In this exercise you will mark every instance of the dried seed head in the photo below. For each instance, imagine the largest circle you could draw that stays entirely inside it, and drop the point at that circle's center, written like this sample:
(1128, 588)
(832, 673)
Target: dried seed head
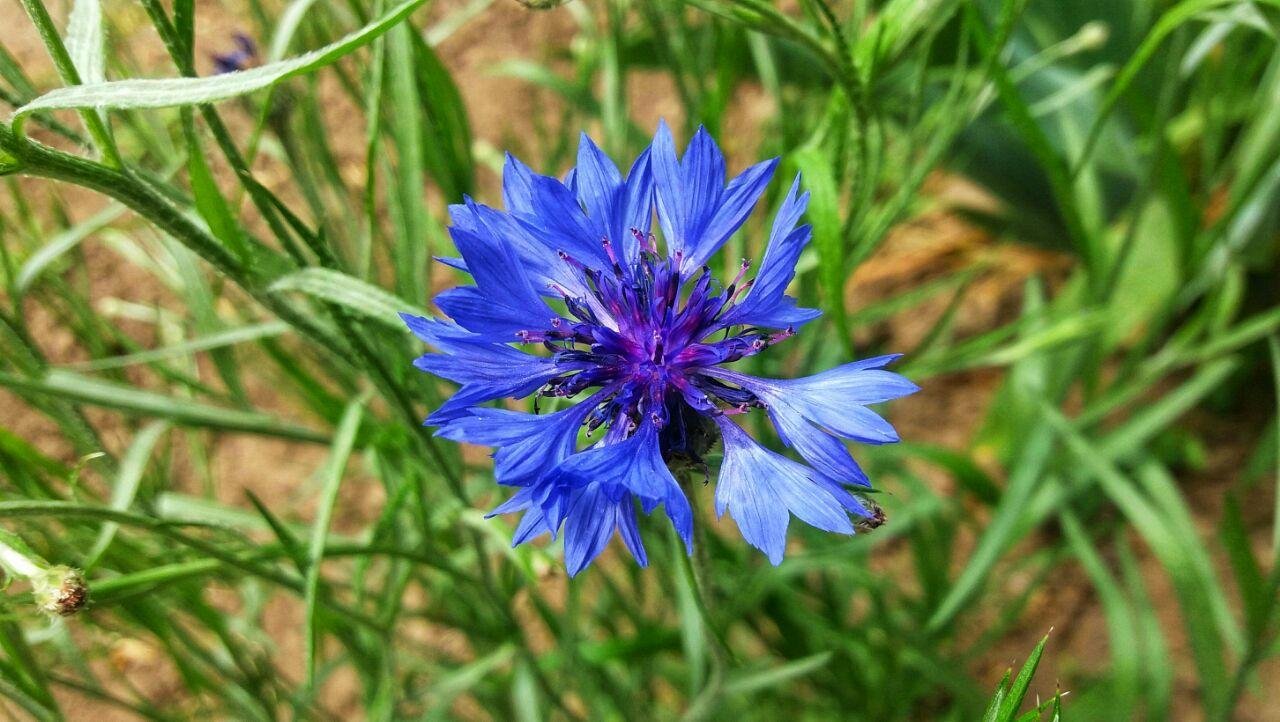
(873, 522)
(61, 590)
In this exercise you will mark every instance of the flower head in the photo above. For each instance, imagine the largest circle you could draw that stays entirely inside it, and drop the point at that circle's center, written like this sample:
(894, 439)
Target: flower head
(631, 339)
(244, 55)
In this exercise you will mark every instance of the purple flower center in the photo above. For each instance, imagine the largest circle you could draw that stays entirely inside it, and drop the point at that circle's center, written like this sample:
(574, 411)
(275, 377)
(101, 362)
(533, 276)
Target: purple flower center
(644, 339)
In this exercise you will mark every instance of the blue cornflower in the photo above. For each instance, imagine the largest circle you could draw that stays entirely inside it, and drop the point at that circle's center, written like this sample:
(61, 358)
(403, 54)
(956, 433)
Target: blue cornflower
(244, 55)
(637, 336)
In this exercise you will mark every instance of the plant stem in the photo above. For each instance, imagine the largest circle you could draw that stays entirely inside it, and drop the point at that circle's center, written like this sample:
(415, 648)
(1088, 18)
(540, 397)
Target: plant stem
(71, 76)
(40, 160)
(696, 569)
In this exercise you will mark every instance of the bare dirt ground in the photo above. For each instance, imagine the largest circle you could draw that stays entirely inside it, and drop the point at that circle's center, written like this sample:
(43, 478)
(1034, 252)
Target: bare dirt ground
(500, 110)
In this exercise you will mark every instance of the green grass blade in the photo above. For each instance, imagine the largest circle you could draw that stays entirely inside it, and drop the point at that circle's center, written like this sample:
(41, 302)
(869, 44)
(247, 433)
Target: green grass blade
(992, 713)
(1206, 613)
(1033, 134)
(33, 707)
(693, 635)
(83, 389)
(781, 675)
(373, 143)
(209, 201)
(184, 27)
(1018, 692)
(68, 72)
(1150, 420)
(1023, 481)
(287, 28)
(824, 214)
(448, 686)
(1246, 567)
(220, 339)
(524, 694)
(1172, 19)
(343, 444)
(62, 243)
(1273, 346)
(15, 449)
(1122, 642)
(1157, 662)
(114, 589)
(406, 125)
(24, 668)
(125, 488)
(1167, 543)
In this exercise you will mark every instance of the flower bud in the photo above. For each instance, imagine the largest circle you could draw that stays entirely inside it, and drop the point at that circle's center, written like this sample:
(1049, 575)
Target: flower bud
(60, 590)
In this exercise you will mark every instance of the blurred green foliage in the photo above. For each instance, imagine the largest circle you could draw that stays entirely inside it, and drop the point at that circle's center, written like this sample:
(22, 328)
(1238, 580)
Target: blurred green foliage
(1140, 137)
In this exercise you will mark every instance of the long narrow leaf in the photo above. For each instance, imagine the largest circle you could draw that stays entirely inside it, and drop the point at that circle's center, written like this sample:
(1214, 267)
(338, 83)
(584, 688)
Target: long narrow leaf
(126, 485)
(343, 443)
(1018, 692)
(83, 389)
(86, 42)
(169, 92)
(360, 298)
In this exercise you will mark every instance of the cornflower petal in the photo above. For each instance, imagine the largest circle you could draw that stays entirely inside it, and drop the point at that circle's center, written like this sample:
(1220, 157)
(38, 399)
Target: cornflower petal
(739, 198)
(635, 215)
(598, 185)
(766, 304)
(761, 489)
(596, 511)
(634, 464)
(835, 400)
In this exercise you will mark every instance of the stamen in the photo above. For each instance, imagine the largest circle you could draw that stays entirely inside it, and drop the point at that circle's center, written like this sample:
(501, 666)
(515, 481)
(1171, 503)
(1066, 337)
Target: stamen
(742, 271)
(741, 290)
(613, 257)
(647, 241)
(575, 263)
(782, 335)
(731, 296)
